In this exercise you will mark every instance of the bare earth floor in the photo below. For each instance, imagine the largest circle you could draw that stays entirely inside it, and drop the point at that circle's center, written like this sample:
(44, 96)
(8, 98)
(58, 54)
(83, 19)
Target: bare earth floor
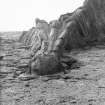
(81, 86)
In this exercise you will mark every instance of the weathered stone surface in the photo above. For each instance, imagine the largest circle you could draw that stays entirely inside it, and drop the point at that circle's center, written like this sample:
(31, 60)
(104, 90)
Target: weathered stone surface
(22, 36)
(87, 24)
(55, 31)
(43, 65)
(81, 28)
(36, 36)
(81, 86)
(84, 27)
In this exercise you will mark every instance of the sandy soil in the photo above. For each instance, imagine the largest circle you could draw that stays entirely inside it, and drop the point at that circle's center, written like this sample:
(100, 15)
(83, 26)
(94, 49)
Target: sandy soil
(81, 86)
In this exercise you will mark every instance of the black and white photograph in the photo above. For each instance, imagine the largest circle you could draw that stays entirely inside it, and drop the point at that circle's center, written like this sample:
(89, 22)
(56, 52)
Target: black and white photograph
(52, 52)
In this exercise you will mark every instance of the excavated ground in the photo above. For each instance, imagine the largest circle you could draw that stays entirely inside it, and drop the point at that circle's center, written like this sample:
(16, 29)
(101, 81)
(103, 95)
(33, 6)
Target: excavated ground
(81, 86)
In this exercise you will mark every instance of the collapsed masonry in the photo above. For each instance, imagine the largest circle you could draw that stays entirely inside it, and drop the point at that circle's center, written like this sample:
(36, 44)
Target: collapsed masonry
(84, 27)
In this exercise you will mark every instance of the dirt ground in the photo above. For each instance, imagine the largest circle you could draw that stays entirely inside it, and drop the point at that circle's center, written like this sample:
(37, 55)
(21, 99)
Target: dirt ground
(81, 86)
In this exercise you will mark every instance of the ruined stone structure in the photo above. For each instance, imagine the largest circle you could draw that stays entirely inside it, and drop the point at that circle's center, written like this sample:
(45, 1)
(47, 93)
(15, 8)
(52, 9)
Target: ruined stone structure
(84, 27)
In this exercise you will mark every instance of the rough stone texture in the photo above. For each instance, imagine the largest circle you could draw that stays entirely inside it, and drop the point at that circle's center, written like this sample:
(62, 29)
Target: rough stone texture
(36, 36)
(80, 86)
(86, 24)
(81, 28)
(84, 27)
(42, 67)
(56, 27)
(21, 38)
